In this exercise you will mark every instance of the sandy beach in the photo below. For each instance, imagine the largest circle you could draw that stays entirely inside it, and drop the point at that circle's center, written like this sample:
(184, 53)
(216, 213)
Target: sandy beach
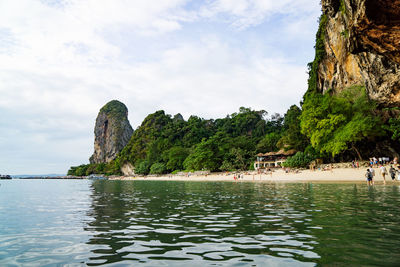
(339, 175)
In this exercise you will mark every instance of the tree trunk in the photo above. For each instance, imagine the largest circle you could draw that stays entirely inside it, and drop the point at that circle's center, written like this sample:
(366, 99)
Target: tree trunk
(356, 150)
(394, 153)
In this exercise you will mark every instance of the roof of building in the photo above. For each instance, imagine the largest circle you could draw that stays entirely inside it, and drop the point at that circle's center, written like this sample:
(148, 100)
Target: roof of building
(281, 152)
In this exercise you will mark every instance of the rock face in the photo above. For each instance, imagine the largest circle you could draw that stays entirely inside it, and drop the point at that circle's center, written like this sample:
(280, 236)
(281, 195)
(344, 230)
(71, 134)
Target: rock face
(362, 45)
(112, 132)
(178, 117)
(127, 169)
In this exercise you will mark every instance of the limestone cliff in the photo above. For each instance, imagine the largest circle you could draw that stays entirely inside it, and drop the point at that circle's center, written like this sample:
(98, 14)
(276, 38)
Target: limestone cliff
(361, 39)
(112, 132)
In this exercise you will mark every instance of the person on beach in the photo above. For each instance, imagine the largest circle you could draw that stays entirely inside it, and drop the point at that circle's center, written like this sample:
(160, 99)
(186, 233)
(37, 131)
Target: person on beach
(392, 172)
(385, 160)
(372, 171)
(398, 173)
(383, 173)
(369, 177)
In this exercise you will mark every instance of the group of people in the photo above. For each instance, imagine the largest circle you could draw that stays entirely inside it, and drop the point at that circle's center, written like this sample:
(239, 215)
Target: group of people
(355, 164)
(392, 172)
(238, 176)
(381, 161)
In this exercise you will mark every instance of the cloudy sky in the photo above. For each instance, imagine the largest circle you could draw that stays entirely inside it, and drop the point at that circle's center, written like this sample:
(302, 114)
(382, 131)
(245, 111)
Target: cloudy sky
(62, 60)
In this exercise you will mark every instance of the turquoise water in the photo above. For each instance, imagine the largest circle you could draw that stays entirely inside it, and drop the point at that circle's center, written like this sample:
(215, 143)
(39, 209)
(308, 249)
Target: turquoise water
(156, 223)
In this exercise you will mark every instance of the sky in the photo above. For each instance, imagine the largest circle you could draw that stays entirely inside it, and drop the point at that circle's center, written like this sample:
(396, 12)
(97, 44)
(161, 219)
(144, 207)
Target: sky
(62, 60)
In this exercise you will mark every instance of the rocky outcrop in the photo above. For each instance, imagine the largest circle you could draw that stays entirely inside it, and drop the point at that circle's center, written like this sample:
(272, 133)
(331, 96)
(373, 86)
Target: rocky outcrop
(178, 117)
(362, 46)
(112, 132)
(128, 169)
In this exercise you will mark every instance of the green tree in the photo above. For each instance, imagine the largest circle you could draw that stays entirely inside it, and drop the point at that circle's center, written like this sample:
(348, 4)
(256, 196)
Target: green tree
(143, 167)
(299, 160)
(275, 124)
(208, 155)
(336, 123)
(269, 142)
(393, 126)
(241, 151)
(145, 139)
(81, 170)
(91, 169)
(158, 168)
(100, 168)
(176, 157)
(292, 137)
(113, 167)
(72, 170)
(240, 157)
(227, 165)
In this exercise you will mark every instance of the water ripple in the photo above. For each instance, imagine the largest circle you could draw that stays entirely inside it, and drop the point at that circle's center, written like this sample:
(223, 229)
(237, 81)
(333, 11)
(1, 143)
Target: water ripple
(173, 223)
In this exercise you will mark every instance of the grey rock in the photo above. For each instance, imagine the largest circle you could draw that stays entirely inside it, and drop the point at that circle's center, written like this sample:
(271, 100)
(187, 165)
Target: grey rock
(112, 132)
(178, 117)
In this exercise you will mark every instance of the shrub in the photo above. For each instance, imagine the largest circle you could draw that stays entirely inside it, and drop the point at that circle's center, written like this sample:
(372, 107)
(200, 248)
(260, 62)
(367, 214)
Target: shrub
(299, 160)
(142, 167)
(158, 168)
(227, 166)
(81, 170)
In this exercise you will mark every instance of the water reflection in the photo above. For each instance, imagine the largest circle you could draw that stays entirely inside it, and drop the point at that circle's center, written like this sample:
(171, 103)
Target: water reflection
(233, 223)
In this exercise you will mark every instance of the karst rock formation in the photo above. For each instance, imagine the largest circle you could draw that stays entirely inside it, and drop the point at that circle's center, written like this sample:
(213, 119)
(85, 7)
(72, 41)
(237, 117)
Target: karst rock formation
(362, 47)
(112, 132)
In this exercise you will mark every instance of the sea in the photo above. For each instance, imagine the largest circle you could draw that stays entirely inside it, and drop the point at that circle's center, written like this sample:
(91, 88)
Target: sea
(173, 223)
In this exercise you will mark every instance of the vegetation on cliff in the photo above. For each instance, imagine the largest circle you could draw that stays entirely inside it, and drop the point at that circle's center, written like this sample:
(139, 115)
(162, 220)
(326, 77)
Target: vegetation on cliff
(336, 123)
(394, 128)
(319, 55)
(342, 121)
(115, 109)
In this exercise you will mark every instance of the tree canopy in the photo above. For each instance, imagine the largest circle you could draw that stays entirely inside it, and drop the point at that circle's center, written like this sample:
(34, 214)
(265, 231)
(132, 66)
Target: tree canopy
(336, 123)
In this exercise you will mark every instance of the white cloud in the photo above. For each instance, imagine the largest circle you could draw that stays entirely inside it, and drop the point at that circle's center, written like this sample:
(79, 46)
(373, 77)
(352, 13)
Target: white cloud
(246, 13)
(211, 79)
(75, 32)
(59, 65)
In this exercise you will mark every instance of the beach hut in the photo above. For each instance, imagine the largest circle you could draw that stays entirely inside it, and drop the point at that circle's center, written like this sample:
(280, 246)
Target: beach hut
(272, 159)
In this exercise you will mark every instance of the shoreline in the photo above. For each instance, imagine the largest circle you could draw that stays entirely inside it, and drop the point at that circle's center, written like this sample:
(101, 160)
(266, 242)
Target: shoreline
(338, 175)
